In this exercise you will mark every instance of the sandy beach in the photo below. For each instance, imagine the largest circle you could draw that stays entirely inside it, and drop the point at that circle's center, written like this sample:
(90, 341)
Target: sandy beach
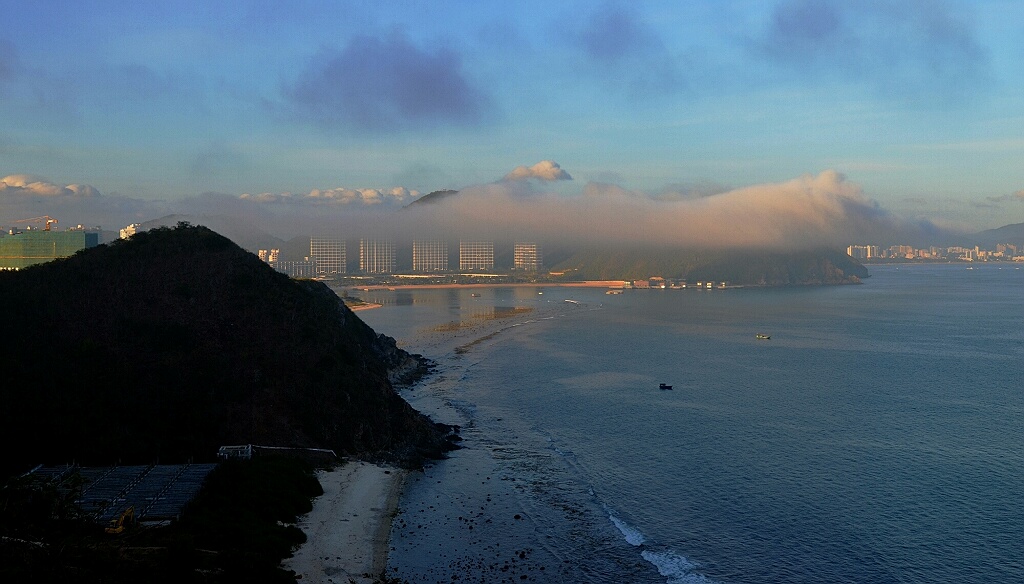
(347, 530)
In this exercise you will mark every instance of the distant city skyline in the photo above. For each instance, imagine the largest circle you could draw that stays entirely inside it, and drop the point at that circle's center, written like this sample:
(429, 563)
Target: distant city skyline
(117, 113)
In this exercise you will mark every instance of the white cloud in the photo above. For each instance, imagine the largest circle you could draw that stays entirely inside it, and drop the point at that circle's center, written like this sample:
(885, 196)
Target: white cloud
(32, 185)
(394, 197)
(543, 170)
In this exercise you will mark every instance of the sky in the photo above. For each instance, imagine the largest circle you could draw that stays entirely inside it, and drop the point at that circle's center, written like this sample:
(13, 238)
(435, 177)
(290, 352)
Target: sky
(842, 119)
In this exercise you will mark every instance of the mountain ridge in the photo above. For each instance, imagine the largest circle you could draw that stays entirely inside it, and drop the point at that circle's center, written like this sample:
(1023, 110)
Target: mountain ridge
(175, 341)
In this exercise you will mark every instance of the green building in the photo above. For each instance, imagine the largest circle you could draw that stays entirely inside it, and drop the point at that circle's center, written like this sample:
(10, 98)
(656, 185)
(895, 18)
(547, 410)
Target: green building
(20, 250)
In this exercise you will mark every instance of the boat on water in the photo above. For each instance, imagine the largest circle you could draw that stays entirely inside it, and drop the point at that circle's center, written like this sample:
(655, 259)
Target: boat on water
(475, 295)
(664, 386)
(762, 337)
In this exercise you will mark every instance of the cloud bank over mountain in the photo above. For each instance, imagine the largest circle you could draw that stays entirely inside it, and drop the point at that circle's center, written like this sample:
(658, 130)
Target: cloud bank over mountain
(807, 211)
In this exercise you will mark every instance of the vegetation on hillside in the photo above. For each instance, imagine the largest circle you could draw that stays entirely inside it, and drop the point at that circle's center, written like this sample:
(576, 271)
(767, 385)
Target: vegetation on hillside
(744, 267)
(166, 345)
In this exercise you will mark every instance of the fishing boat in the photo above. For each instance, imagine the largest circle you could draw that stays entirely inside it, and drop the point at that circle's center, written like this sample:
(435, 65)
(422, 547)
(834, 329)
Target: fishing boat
(762, 337)
(664, 386)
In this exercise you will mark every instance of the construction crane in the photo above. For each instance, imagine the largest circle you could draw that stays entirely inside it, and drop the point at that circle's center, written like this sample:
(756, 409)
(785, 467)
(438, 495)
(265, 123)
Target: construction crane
(44, 219)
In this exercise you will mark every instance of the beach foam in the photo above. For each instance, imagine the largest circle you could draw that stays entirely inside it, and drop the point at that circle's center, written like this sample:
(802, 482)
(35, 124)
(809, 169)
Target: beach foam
(676, 568)
(632, 534)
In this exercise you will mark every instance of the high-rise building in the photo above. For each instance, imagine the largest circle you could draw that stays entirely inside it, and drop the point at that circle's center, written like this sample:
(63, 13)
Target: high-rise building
(329, 255)
(35, 246)
(476, 255)
(429, 256)
(527, 257)
(376, 256)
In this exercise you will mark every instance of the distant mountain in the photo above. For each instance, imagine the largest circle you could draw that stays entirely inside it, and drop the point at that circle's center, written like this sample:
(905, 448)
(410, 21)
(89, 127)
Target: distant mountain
(433, 197)
(741, 267)
(1013, 234)
(171, 343)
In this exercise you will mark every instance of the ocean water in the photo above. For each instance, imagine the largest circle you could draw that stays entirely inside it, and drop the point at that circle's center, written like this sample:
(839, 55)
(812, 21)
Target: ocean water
(876, 437)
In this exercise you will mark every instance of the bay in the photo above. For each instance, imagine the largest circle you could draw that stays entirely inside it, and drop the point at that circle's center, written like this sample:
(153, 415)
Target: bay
(876, 437)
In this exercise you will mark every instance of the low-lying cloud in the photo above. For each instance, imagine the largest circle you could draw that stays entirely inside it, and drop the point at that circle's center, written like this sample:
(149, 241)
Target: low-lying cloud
(807, 211)
(810, 210)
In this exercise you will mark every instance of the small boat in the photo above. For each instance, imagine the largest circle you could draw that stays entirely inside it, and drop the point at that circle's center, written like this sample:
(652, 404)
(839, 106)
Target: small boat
(664, 386)
(475, 295)
(762, 337)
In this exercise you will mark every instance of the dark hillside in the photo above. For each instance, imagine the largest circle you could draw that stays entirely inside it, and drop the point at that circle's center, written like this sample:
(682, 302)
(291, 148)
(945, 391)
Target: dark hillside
(169, 344)
(742, 267)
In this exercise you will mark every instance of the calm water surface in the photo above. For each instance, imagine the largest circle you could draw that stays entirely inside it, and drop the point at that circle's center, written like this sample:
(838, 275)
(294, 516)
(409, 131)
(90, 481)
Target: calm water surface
(876, 437)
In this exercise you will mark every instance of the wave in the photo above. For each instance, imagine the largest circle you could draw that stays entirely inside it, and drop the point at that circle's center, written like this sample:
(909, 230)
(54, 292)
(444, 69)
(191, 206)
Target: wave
(632, 534)
(676, 568)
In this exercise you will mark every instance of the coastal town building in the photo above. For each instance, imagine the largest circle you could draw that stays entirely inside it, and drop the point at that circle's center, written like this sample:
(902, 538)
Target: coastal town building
(526, 257)
(20, 249)
(329, 255)
(1002, 252)
(376, 256)
(476, 256)
(129, 230)
(429, 256)
(304, 268)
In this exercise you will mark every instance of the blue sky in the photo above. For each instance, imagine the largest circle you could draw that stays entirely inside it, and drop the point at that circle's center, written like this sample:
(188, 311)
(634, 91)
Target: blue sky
(917, 103)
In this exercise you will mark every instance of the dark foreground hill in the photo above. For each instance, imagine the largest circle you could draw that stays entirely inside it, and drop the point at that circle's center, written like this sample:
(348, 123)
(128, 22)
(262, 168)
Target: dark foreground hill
(165, 346)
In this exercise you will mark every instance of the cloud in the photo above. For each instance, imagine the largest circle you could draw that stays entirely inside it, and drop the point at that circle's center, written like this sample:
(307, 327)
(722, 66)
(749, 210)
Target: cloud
(810, 210)
(914, 51)
(26, 195)
(626, 52)
(548, 170)
(341, 196)
(30, 185)
(385, 85)
(1017, 197)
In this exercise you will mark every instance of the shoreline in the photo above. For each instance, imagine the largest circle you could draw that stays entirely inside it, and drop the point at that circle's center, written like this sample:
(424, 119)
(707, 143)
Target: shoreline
(583, 284)
(348, 530)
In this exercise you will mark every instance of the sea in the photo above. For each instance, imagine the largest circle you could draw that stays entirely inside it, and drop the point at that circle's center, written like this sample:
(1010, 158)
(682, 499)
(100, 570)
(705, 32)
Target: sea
(877, 436)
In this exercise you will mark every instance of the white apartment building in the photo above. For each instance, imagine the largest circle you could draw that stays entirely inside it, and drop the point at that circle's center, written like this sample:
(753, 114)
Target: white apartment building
(329, 255)
(376, 256)
(527, 257)
(429, 256)
(476, 256)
